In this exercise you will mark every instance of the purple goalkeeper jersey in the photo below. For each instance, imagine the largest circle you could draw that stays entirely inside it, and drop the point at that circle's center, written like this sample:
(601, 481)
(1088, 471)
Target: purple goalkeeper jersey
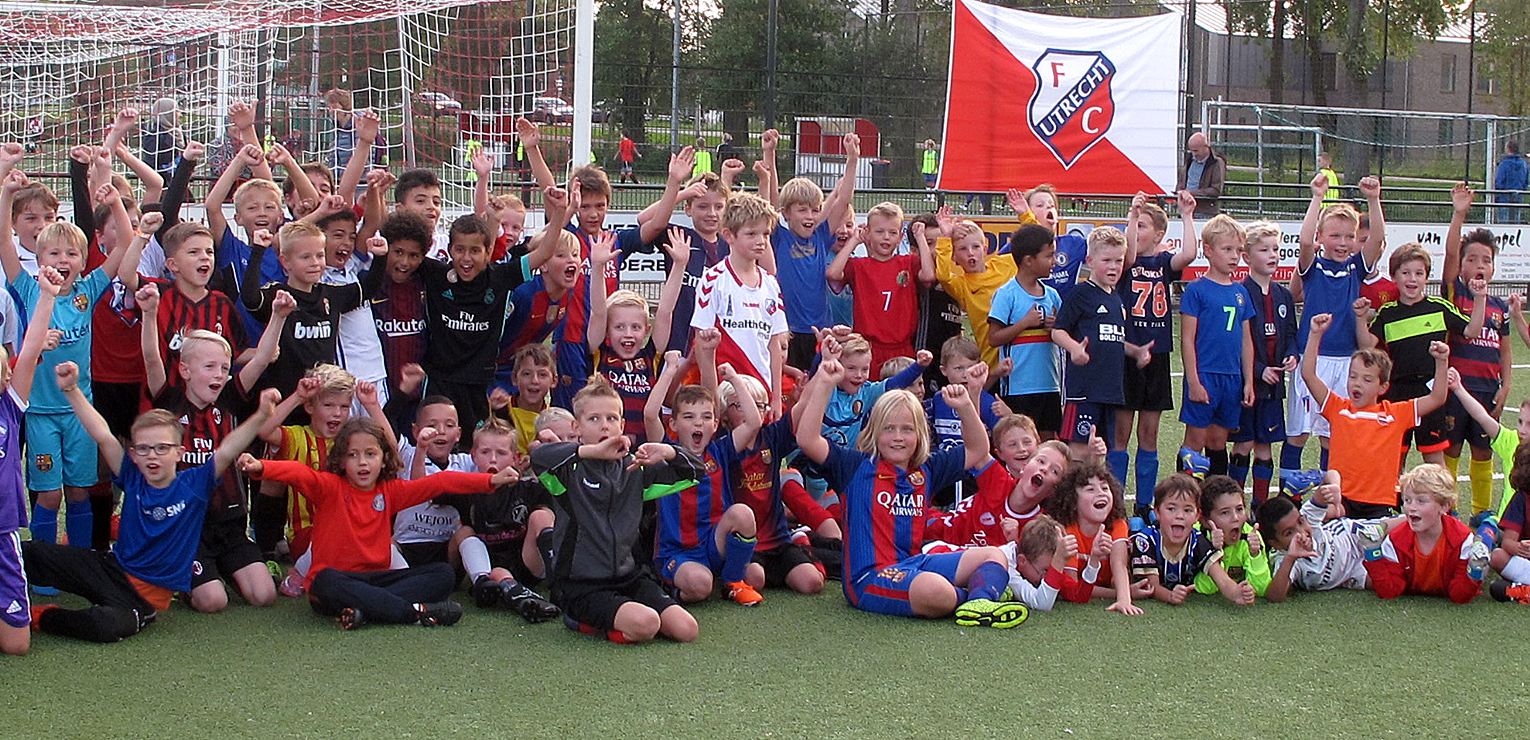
(13, 493)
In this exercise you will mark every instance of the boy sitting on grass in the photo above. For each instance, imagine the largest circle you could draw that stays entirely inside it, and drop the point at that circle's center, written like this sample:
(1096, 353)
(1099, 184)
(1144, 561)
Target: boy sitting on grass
(1432, 553)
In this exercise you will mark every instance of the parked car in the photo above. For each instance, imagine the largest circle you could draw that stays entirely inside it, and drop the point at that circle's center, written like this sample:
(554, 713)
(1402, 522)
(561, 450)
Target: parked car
(439, 104)
(548, 109)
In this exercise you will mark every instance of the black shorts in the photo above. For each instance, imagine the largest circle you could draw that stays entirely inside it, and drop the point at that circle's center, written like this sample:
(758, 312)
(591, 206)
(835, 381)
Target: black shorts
(225, 549)
(1432, 433)
(779, 561)
(118, 403)
(1461, 427)
(510, 559)
(801, 349)
(1044, 408)
(423, 553)
(1148, 388)
(1358, 510)
(595, 603)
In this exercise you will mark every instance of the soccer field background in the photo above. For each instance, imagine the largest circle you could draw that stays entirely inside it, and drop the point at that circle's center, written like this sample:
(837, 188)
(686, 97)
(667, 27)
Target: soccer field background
(1320, 665)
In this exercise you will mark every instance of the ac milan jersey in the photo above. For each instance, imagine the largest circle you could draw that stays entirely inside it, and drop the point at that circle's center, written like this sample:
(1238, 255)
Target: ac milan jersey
(205, 429)
(884, 505)
(398, 309)
(748, 318)
(687, 518)
(886, 297)
(755, 481)
(179, 316)
(633, 380)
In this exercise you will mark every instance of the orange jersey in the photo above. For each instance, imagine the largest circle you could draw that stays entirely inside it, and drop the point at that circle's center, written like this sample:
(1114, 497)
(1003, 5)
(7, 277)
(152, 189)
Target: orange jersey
(1364, 446)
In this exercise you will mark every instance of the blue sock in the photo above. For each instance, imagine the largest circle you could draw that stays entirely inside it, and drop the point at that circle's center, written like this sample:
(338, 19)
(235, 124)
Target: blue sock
(44, 523)
(1147, 475)
(988, 581)
(1118, 460)
(961, 595)
(1323, 458)
(737, 552)
(1290, 459)
(1237, 468)
(77, 523)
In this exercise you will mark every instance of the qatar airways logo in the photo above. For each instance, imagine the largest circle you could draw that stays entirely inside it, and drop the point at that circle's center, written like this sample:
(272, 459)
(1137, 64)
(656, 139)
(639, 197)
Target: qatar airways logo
(901, 503)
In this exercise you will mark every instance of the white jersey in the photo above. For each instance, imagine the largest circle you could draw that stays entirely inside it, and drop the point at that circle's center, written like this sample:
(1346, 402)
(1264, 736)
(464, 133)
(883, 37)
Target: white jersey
(1038, 596)
(1340, 558)
(359, 350)
(748, 317)
(427, 522)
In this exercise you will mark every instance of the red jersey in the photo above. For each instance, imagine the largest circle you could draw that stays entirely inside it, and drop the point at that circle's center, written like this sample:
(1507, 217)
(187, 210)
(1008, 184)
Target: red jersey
(115, 353)
(398, 309)
(886, 303)
(353, 529)
(1378, 290)
(1079, 587)
(978, 521)
(627, 149)
(179, 315)
(1402, 569)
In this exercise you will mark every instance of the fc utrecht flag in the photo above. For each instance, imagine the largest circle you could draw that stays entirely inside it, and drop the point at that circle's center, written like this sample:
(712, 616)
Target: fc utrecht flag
(1089, 105)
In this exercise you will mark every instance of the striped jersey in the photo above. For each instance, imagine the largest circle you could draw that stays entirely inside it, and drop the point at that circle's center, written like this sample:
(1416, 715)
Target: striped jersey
(687, 518)
(755, 481)
(884, 506)
(633, 380)
(1478, 358)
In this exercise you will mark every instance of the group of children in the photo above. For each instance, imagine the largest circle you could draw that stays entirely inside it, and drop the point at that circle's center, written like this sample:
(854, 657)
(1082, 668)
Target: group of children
(329, 395)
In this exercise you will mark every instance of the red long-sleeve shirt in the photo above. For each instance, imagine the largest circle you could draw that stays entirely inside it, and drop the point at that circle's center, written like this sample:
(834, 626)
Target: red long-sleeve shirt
(352, 528)
(1398, 571)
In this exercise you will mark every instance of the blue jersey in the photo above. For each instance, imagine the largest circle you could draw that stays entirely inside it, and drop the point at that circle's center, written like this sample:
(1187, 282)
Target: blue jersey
(570, 349)
(947, 424)
(1094, 314)
(1332, 287)
(1032, 352)
(800, 266)
(1222, 313)
(755, 480)
(686, 519)
(846, 413)
(72, 317)
(1145, 291)
(885, 505)
(1071, 250)
(704, 254)
(162, 527)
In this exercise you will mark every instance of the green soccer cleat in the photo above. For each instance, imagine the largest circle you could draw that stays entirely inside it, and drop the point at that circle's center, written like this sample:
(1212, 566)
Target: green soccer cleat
(990, 613)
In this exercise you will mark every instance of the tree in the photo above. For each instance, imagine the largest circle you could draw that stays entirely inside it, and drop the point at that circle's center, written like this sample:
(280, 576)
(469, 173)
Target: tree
(633, 46)
(1504, 29)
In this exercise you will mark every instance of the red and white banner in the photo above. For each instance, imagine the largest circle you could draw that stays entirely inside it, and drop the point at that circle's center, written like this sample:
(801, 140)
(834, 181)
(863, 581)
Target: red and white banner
(1090, 105)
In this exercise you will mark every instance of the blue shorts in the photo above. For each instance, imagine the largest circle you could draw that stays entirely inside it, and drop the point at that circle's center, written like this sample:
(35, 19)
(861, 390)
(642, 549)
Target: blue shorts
(14, 607)
(886, 591)
(1083, 418)
(59, 452)
(1263, 423)
(706, 553)
(1225, 408)
(929, 179)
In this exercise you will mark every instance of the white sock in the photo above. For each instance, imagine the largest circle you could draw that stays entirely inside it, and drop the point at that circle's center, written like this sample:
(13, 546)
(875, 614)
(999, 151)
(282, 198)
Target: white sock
(304, 562)
(475, 557)
(1516, 570)
(396, 559)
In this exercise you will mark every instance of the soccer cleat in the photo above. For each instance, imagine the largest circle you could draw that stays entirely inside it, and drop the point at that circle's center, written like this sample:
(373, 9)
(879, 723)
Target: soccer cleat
(293, 585)
(525, 602)
(1502, 590)
(1194, 463)
(1008, 595)
(350, 618)
(990, 613)
(1297, 485)
(485, 592)
(44, 590)
(743, 593)
(439, 613)
(37, 612)
(277, 574)
(1486, 526)
(615, 636)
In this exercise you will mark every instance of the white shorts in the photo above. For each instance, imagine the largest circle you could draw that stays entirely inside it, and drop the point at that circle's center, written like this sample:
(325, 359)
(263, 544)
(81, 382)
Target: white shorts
(1302, 410)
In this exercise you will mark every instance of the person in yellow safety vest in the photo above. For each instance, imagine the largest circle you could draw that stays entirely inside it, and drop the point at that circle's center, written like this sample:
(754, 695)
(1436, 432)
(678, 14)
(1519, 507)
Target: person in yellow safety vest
(470, 148)
(703, 158)
(929, 165)
(1325, 166)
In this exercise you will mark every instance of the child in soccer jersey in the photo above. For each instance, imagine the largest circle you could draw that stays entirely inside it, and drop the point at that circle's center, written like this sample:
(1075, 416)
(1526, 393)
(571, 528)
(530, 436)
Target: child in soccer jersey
(1091, 328)
(1365, 424)
(62, 462)
(398, 303)
(1406, 327)
(960, 363)
(418, 192)
(537, 308)
(1309, 550)
(359, 349)
(1038, 562)
(1020, 325)
(1167, 557)
(884, 483)
(1431, 553)
(884, 284)
(497, 542)
(1001, 495)
(970, 275)
(853, 396)
(1224, 519)
(425, 532)
(311, 335)
(1485, 360)
(1062, 276)
(15, 389)
(32, 206)
(598, 492)
(1273, 328)
(701, 534)
(941, 316)
(802, 242)
(625, 343)
(705, 197)
(535, 373)
(756, 481)
(1089, 503)
(1151, 267)
(356, 498)
(257, 206)
(741, 299)
(1216, 343)
(209, 403)
(1506, 439)
(161, 524)
(1331, 266)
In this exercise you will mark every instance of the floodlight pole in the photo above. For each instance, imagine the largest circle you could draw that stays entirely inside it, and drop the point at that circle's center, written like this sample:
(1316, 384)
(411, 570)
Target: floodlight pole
(770, 64)
(674, 86)
(584, 79)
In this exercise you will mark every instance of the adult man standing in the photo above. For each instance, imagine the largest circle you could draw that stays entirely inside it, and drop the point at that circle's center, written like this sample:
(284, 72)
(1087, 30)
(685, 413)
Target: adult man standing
(1203, 174)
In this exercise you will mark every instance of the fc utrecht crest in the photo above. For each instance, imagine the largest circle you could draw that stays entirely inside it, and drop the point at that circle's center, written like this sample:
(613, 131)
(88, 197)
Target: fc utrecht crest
(1071, 109)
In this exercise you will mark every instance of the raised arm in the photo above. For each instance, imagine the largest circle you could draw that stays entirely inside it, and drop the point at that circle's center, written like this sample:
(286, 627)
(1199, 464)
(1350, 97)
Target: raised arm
(68, 377)
(653, 408)
(840, 200)
(366, 123)
(601, 253)
(243, 435)
(1460, 204)
(242, 117)
(307, 193)
(147, 298)
(815, 402)
(271, 430)
(974, 433)
(1308, 238)
(744, 433)
(765, 168)
(1370, 187)
(218, 193)
(268, 347)
(249, 288)
(153, 182)
(38, 335)
(127, 269)
(926, 254)
(838, 268)
(483, 169)
(680, 166)
(1190, 240)
(531, 140)
(556, 204)
(678, 246)
(180, 180)
(1315, 386)
(14, 180)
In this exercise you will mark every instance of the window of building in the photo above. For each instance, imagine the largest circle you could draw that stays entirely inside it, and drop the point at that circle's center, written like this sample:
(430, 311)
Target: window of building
(1448, 73)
